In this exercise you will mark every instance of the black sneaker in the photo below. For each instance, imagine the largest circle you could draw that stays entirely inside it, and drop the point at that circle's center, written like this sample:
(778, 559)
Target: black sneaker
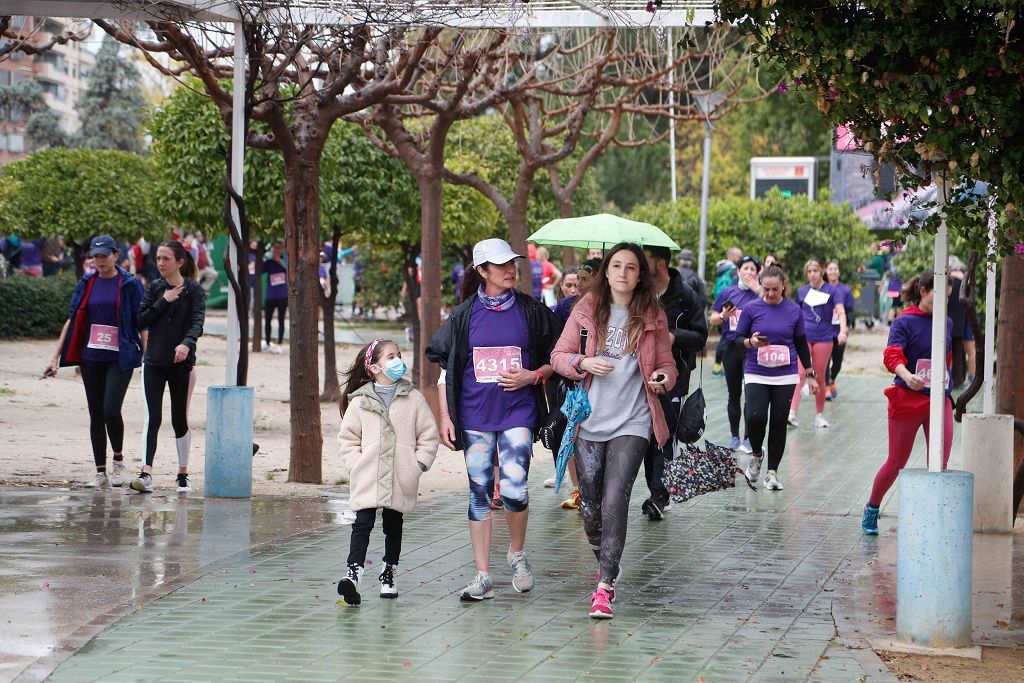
(183, 485)
(348, 587)
(655, 511)
(388, 589)
(142, 483)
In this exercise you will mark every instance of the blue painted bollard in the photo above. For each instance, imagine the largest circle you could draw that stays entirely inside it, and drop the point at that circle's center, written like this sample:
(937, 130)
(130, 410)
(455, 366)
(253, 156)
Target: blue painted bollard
(933, 563)
(229, 416)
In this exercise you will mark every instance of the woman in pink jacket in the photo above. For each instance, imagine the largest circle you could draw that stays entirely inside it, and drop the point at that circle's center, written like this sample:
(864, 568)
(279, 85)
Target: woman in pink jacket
(627, 365)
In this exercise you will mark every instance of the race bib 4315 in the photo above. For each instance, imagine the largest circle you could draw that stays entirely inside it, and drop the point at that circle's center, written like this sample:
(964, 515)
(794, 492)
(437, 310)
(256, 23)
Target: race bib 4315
(490, 361)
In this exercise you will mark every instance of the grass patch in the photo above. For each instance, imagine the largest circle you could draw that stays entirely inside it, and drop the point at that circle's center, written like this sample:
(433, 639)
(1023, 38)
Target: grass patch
(270, 476)
(340, 480)
(204, 363)
(5, 391)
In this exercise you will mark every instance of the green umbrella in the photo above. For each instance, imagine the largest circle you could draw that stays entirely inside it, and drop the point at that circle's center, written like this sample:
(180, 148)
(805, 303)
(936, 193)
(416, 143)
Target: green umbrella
(600, 231)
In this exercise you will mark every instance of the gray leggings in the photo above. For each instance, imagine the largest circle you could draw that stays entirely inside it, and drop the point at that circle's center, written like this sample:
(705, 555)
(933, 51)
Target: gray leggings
(607, 470)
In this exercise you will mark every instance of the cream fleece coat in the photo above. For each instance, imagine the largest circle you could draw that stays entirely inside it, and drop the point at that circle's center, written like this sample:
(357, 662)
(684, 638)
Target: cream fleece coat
(383, 447)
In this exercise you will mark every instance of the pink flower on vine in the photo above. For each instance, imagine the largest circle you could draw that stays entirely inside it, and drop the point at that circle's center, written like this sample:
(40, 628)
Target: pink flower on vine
(650, 6)
(1019, 248)
(798, 81)
(783, 87)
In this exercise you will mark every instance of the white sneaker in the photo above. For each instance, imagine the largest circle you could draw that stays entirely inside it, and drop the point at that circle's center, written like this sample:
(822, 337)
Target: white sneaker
(745, 446)
(266, 346)
(793, 422)
(99, 482)
(550, 483)
(772, 482)
(117, 477)
(388, 589)
(348, 586)
(820, 421)
(754, 468)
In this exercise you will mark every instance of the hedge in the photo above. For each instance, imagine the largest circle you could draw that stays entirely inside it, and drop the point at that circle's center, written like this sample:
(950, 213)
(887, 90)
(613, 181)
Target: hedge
(793, 229)
(34, 307)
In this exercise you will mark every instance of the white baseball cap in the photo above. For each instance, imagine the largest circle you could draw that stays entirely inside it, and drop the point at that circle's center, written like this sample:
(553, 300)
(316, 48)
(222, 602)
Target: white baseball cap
(494, 251)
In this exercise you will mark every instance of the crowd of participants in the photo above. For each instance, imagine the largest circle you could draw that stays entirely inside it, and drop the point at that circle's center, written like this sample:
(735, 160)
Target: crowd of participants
(625, 324)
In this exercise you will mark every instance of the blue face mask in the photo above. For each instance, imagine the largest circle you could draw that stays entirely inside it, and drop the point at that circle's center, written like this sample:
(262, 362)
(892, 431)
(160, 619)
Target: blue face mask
(395, 369)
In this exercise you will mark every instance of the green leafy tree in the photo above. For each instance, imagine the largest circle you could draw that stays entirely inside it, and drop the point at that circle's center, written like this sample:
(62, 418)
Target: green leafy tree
(933, 87)
(112, 108)
(79, 193)
(24, 100)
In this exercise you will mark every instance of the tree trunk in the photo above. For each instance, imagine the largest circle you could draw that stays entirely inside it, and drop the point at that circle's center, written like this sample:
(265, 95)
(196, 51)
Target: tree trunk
(430, 287)
(257, 298)
(302, 240)
(515, 217)
(332, 391)
(1010, 365)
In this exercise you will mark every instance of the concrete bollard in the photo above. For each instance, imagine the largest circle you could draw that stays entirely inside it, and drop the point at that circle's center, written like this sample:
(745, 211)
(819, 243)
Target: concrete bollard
(987, 448)
(229, 417)
(933, 558)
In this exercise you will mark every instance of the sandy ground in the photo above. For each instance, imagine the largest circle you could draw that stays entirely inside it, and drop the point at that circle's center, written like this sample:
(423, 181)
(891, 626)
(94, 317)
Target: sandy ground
(997, 664)
(45, 422)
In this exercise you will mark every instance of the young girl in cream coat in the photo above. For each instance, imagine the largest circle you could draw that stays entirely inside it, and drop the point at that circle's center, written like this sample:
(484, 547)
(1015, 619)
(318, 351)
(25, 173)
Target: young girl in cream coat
(388, 438)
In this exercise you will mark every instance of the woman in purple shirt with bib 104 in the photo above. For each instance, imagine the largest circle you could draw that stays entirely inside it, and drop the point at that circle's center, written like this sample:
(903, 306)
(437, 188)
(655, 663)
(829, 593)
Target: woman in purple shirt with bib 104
(727, 311)
(819, 304)
(771, 331)
(845, 297)
(494, 350)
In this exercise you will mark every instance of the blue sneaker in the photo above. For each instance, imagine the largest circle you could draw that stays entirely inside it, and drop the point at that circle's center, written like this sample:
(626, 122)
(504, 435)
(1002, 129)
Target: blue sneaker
(734, 445)
(746, 447)
(869, 520)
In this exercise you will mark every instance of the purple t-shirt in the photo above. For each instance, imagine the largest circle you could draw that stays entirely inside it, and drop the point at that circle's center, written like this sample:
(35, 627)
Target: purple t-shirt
(485, 406)
(740, 298)
(779, 322)
(913, 334)
(30, 256)
(277, 280)
(818, 319)
(845, 297)
(102, 310)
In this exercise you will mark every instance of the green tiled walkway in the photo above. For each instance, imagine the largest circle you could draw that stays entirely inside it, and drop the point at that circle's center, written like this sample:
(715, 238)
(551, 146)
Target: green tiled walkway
(732, 586)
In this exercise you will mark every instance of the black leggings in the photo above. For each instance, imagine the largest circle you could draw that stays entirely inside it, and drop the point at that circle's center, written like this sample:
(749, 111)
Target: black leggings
(105, 386)
(154, 378)
(767, 411)
(835, 362)
(281, 305)
(362, 527)
(606, 471)
(733, 358)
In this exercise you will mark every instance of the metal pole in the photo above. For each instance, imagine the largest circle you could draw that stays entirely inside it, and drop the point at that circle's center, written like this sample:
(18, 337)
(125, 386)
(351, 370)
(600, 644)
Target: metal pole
(988, 395)
(705, 182)
(938, 390)
(671, 113)
(237, 161)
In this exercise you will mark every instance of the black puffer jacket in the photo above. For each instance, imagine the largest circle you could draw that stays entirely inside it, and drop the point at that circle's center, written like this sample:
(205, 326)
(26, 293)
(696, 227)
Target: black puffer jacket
(685, 312)
(171, 324)
(450, 349)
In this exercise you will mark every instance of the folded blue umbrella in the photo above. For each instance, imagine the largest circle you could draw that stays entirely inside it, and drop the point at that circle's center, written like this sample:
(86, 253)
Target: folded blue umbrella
(576, 409)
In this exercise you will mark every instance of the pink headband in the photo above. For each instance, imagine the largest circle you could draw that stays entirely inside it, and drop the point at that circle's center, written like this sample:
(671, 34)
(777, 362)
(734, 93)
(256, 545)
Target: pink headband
(368, 359)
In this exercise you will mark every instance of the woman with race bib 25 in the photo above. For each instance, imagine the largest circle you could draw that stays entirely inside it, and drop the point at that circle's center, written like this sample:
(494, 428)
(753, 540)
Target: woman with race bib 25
(727, 312)
(494, 350)
(102, 336)
(908, 356)
(771, 331)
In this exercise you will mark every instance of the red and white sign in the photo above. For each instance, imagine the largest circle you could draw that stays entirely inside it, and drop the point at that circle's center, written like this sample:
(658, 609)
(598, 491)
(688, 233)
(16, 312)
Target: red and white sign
(773, 356)
(102, 337)
(278, 279)
(490, 361)
(924, 371)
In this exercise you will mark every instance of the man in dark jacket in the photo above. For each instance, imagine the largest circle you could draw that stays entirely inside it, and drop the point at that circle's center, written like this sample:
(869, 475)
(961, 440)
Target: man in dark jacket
(685, 312)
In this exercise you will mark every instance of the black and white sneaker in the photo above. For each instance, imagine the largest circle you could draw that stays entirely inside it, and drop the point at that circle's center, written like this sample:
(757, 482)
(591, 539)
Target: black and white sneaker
(183, 484)
(348, 587)
(142, 483)
(655, 511)
(388, 589)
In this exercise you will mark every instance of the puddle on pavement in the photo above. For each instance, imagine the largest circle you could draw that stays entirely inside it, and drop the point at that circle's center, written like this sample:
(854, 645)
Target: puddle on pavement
(67, 557)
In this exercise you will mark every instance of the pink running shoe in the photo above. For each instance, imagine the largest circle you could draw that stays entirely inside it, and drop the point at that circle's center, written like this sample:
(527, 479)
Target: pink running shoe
(601, 604)
(615, 581)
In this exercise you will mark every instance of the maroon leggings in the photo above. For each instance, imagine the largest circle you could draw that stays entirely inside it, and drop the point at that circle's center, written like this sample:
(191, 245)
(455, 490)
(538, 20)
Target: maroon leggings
(901, 442)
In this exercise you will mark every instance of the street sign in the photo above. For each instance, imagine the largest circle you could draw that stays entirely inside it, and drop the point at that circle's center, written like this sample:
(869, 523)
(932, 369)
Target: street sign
(791, 175)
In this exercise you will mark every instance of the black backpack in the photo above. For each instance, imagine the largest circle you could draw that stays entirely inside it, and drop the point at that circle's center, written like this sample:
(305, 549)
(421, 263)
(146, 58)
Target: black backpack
(692, 418)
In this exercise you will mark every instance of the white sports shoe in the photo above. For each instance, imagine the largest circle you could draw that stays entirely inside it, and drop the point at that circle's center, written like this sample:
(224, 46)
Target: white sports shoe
(754, 468)
(99, 482)
(820, 421)
(772, 482)
(550, 483)
(793, 422)
(117, 477)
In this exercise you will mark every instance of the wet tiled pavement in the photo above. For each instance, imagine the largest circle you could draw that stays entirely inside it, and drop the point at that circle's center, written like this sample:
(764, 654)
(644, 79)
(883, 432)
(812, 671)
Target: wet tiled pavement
(739, 585)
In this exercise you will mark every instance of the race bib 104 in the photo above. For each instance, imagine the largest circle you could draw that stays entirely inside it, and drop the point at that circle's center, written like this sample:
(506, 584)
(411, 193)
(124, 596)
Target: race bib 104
(773, 356)
(490, 361)
(102, 337)
(278, 279)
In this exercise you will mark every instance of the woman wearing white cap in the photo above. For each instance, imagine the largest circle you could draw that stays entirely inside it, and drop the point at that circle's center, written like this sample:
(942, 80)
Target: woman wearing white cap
(494, 350)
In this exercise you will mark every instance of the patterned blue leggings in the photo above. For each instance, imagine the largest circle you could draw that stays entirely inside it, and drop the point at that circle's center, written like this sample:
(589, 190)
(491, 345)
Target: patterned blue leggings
(514, 447)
